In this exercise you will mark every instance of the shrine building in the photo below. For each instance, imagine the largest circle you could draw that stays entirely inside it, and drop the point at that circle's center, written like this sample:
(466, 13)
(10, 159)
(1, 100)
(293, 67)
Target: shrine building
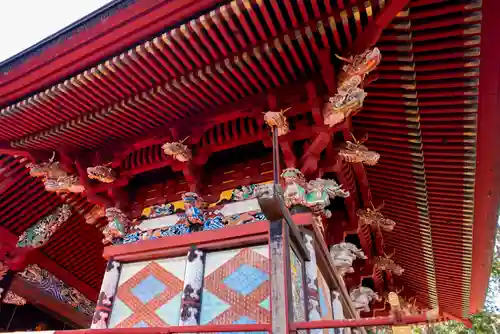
(266, 166)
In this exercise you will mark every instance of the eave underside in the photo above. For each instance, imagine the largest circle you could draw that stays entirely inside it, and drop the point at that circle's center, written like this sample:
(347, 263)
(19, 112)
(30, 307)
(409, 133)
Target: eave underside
(420, 115)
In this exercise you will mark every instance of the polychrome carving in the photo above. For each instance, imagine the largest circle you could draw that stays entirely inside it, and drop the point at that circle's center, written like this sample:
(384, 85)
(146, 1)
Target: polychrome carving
(101, 173)
(315, 194)
(178, 150)
(277, 119)
(38, 234)
(118, 224)
(193, 284)
(362, 297)
(57, 288)
(350, 95)
(343, 255)
(106, 295)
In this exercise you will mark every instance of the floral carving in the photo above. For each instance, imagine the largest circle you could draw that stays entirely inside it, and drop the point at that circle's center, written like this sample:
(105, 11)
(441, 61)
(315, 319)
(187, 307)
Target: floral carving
(350, 95)
(277, 119)
(101, 173)
(178, 150)
(38, 234)
(12, 298)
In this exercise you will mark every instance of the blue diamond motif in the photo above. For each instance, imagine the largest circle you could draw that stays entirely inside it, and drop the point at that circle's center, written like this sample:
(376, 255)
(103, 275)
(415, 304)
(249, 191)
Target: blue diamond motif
(140, 324)
(148, 289)
(246, 279)
(211, 307)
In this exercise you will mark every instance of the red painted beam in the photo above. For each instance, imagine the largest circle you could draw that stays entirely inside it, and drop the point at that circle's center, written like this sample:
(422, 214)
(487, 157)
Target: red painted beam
(36, 256)
(112, 35)
(487, 185)
(372, 32)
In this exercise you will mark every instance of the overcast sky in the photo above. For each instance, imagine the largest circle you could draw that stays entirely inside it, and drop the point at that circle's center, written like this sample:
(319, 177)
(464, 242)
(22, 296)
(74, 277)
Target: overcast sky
(23, 23)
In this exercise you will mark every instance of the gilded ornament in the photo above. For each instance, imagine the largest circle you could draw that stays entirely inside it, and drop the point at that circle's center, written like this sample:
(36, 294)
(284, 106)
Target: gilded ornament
(356, 152)
(387, 264)
(350, 95)
(375, 219)
(277, 119)
(178, 150)
(101, 173)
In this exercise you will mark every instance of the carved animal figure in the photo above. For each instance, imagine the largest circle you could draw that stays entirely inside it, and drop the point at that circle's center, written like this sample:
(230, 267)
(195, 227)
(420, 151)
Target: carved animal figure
(362, 297)
(178, 151)
(118, 223)
(48, 169)
(387, 264)
(350, 96)
(375, 219)
(277, 119)
(355, 152)
(315, 194)
(343, 255)
(101, 173)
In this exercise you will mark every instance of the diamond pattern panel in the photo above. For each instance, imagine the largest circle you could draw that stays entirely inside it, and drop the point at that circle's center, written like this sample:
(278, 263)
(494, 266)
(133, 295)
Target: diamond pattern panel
(246, 279)
(236, 286)
(149, 294)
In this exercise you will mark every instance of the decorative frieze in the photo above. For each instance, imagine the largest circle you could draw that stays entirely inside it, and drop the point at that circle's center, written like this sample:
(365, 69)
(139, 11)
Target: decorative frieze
(53, 286)
(40, 233)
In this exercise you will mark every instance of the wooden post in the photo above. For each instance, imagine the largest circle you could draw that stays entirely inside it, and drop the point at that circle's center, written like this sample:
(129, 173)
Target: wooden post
(193, 286)
(279, 249)
(106, 299)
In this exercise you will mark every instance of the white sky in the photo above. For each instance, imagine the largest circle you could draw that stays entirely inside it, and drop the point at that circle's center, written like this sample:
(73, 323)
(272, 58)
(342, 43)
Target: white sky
(23, 23)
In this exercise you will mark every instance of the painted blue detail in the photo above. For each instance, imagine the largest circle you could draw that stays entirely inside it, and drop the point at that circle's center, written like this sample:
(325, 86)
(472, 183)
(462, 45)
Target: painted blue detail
(322, 303)
(170, 312)
(211, 307)
(245, 279)
(140, 324)
(148, 289)
(213, 223)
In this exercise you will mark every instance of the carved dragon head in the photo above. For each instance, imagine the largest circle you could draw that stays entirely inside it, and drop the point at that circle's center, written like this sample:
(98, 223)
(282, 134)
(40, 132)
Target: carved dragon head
(277, 119)
(101, 173)
(356, 152)
(178, 150)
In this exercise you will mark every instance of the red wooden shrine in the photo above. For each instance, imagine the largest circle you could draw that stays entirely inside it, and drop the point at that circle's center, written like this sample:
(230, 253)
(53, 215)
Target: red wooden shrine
(137, 157)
